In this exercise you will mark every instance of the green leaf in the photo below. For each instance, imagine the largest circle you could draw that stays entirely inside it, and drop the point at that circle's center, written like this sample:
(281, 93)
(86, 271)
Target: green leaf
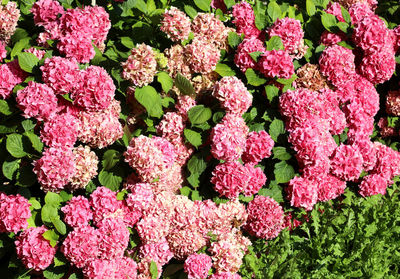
(261, 21)
(110, 158)
(9, 168)
(166, 81)
(127, 42)
(310, 7)
(203, 4)
(28, 125)
(288, 81)
(37, 144)
(346, 15)
(185, 191)
(60, 226)
(224, 70)
(149, 98)
(343, 26)
(274, 191)
(27, 61)
(253, 78)
(140, 5)
(53, 199)
(274, 11)
(193, 137)
(98, 58)
(276, 128)
(329, 21)
(49, 213)
(275, 43)
(51, 236)
(34, 203)
(272, 92)
(19, 46)
(234, 39)
(255, 55)
(195, 196)
(283, 172)
(190, 11)
(14, 146)
(229, 3)
(199, 114)
(345, 44)
(184, 85)
(5, 108)
(111, 179)
(281, 153)
(197, 164)
(153, 270)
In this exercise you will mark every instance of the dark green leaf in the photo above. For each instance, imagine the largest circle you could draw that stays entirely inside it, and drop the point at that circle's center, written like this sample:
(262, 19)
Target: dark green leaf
(111, 179)
(272, 92)
(149, 98)
(9, 168)
(199, 114)
(37, 144)
(110, 158)
(14, 146)
(276, 128)
(329, 21)
(281, 153)
(193, 137)
(283, 172)
(255, 55)
(253, 78)
(234, 39)
(184, 85)
(274, 191)
(196, 164)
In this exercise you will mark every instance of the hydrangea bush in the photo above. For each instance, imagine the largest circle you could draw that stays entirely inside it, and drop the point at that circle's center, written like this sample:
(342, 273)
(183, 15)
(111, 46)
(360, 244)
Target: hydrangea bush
(199, 139)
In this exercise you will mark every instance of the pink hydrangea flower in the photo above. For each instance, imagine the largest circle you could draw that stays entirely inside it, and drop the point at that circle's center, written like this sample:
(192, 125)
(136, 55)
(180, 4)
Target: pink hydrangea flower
(37, 100)
(177, 62)
(171, 127)
(79, 48)
(202, 56)
(176, 24)
(37, 52)
(152, 229)
(208, 27)
(86, 162)
(256, 179)
(3, 51)
(126, 268)
(242, 58)
(359, 11)
(337, 64)
(258, 146)
(14, 213)
(373, 184)
(347, 162)
(233, 95)
(228, 138)
(61, 74)
(225, 275)
(276, 63)
(302, 192)
(96, 92)
(60, 131)
(334, 8)
(185, 242)
(141, 66)
(330, 187)
(289, 30)
(379, 66)
(184, 104)
(388, 161)
(55, 168)
(158, 252)
(244, 19)
(46, 11)
(265, 217)
(104, 203)
(81, 246)
(229, 178)
(384, 129)
(77, 212)
(114, 238)
(140, 197)
(100, 268)
(33, 250)
(330, 39)
(9, 15)
(7, 81)
(197, 266)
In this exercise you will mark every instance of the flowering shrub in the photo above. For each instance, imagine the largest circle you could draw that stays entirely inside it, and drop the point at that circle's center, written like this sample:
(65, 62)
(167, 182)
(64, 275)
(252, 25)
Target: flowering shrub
(199, 139)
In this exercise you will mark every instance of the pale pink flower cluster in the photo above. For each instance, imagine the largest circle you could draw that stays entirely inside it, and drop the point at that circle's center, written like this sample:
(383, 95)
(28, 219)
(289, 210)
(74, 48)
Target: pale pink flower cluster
(206, 26)
(3, 51)
(9, 15)
(176, 24)
(14, 213)
(242, 59)
(33, 249)
(177, 61)
(202, 56)
(225, 275)
(141, 66)
(86, 162)
(265, 217)
(232, 95)
(291, 34)
(244, 20)
(197, 266)
(75, 30)
(258, 146)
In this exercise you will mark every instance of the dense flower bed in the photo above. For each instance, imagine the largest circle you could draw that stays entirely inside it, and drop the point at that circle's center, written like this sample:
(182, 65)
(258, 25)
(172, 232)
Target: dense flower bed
(189, 139)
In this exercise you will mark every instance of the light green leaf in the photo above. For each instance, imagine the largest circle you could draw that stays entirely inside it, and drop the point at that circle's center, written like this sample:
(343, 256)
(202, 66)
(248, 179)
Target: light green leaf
(14, 146)
(27, 61)
(224, 70)
(60, 226)
(149, 98)
(329, 21)
(275, 43)
(281, 153)
(283, 172)
(234, 39)
(111, 179)
(190, 11)
(193, 137)
(253, 78)
(274, 11)
(199, 114)
(5, 108)
(51, 236)
(37, 144)
(203, 5)
(165, 80)
(310, 7)
(153, 270)
(127, 42)
(53, 199)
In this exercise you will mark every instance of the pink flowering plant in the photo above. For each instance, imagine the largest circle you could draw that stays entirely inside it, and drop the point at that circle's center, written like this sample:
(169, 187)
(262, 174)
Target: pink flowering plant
(199, 139)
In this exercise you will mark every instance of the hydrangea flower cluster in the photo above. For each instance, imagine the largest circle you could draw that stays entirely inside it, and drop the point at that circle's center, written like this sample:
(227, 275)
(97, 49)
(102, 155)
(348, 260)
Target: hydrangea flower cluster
(9, 15)
(14, 213)
(176, 24)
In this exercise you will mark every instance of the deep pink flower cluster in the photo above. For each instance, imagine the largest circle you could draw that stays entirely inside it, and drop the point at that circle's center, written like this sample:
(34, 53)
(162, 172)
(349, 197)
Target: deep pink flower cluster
(46, 11)
(242, 59)
(141, 66)
(197, 266)
(61, 74)
(291, 34)
(232, 95)
(77, 212)
(10, 75)
(334, 8)
(359, 11)
(258, 146)
(9, 15)
(176, 24)
(265, 217)
(276, 63)
(33, 250)
(3, 51)
(14, 213)
(347, 162)
(60, 131)
(244, 20)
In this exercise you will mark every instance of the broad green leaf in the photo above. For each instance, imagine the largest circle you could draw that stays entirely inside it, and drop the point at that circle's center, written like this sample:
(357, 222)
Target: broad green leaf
(275, 43)
(98, 58)
(37, 144)
(190, 11)
(288, 81)
(111, 179)
(329, 21)
(283, 172)
(196, 164)
(229, 3)
(234, 39)
(255, 55)
(273, 191)
(19, 46)
(14, 146)
(253, 78)
(274, 11)
(51, 236)
(224, 70)
(196, 196)
(28, 125)
(53, 199)
(166, 81)
(185, 191)
(346, 15)
(5, 108)
(153, 270)
(199, 114)
(310, 7)
(34, 203)
(272, 92)
(27, 61)
(281, 153)
(127, 42)
(60, 226)
(9, 168)
(193, 137)
(203, 5)
(110, 158)
(149, 98)
(276, 128)
(49, 213)
(184, 85)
